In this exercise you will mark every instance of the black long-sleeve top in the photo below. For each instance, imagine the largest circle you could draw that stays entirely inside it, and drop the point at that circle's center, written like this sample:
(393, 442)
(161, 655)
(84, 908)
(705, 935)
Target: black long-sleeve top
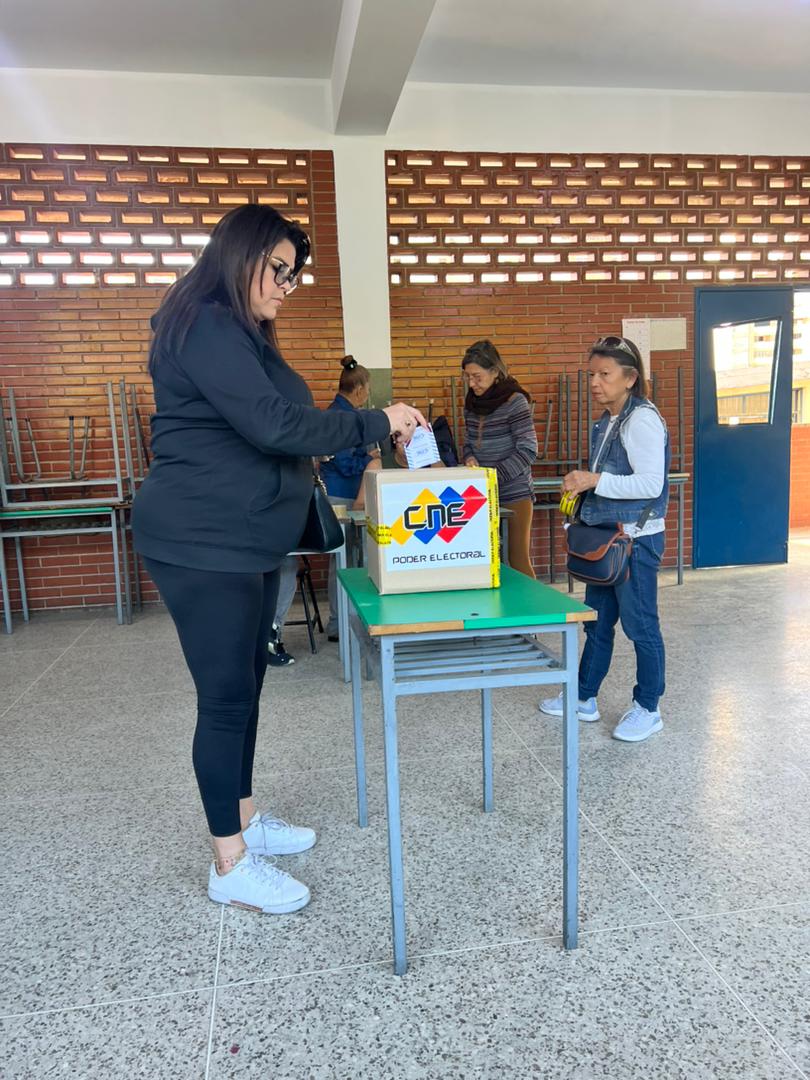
(233, 435)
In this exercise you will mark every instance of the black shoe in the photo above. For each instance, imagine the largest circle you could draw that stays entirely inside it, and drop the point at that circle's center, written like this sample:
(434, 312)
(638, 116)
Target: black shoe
(277, 654)
(332, 637)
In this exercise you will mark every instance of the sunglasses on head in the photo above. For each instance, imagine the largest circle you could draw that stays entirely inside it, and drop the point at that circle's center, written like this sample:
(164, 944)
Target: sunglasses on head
(614, 344)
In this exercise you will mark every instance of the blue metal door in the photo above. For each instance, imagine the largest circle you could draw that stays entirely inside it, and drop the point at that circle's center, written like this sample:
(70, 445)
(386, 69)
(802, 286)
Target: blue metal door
(743, 388)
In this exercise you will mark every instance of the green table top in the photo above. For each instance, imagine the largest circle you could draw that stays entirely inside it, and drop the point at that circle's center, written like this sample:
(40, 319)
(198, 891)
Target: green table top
(519, 601)
(13, 513)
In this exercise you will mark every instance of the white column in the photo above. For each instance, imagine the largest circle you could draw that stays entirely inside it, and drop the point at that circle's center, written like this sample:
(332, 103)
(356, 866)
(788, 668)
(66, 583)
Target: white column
(363, 248)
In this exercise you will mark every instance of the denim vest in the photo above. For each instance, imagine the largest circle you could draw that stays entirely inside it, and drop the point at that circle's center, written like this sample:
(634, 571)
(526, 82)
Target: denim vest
(596, 509)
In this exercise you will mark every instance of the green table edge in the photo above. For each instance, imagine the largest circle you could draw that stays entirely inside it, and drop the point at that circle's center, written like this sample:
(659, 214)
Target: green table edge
(60, 511)
(397, 610)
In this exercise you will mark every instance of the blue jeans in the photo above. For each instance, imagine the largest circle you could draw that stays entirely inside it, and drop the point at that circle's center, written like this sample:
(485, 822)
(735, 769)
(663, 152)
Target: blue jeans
(636, 604)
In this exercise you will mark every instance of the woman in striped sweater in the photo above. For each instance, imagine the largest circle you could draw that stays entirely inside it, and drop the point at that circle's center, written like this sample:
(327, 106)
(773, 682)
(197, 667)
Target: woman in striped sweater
(499, 434)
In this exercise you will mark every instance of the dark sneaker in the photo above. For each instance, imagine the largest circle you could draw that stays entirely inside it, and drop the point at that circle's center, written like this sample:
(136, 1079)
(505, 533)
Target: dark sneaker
(277, 654)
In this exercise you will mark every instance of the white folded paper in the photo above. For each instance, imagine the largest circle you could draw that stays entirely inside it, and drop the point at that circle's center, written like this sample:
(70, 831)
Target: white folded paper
(422, 451)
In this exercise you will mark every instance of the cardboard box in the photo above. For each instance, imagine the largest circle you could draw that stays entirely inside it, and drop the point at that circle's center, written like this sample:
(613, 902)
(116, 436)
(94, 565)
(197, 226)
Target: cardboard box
(432, 529)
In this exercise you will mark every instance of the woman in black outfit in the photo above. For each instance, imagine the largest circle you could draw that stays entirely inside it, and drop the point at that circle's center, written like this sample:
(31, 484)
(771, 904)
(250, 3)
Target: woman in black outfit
(226, 498)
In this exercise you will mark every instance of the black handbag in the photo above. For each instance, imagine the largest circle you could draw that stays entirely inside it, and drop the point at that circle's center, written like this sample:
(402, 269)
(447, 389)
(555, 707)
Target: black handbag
(322, 531)
(598, 554)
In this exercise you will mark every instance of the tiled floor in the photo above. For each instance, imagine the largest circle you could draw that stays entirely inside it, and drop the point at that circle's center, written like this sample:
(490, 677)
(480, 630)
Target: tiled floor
(694, 958)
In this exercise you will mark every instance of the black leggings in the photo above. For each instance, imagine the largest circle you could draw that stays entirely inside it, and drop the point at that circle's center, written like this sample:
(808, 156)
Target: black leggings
(223, 621)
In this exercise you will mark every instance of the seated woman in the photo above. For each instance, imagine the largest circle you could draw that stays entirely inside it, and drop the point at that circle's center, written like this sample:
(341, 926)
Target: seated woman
(499, 434)
(343, 473)
(627, 483)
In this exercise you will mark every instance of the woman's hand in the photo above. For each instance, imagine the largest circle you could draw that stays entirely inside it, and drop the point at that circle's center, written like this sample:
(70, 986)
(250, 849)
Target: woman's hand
(404, 420)
(579, 480)
(375, 454)
(373, 466)
(471, 462)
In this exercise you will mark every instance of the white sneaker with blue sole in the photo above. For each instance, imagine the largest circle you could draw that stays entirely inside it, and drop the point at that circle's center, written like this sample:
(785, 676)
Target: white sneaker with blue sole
(586, 710)
(638, 724)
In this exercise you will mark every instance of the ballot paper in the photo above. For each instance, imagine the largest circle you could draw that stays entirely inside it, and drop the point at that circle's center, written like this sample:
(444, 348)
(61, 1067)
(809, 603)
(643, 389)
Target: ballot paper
(422, 451)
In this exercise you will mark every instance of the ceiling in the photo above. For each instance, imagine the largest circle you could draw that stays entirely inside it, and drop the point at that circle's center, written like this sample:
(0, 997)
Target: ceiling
(290, 39)
(367, 51)
(748, 45)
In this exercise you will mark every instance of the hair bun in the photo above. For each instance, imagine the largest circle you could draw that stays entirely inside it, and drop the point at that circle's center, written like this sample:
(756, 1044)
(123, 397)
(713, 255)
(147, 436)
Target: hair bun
(348, 363)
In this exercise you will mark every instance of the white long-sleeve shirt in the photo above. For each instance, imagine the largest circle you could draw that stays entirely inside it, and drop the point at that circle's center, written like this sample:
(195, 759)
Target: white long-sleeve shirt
(644, 439)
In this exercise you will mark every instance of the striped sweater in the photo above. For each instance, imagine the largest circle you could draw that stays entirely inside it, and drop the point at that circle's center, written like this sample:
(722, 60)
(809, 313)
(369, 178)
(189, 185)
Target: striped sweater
(505, 440)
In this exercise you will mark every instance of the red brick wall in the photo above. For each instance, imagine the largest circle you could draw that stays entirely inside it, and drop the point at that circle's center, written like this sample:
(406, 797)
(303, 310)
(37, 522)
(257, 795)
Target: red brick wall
(800, 477)
(541, 331)
(544, 253)
(129, 219)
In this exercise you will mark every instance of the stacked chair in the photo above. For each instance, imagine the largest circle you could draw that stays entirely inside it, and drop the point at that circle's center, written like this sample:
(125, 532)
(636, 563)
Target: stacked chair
(82, 499)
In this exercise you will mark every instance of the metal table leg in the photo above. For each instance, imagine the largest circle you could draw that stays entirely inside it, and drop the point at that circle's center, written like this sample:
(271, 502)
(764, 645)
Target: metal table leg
(680, 533)
(21, 578)
(389, 702)
(570, 777)
(119, 607)
(5, 589)
(125, 565)
(359, 740)
(486, 731)
(343, 613)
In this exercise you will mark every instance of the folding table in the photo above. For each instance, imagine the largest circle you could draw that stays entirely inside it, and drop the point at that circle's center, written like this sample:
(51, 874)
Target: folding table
(476, 639)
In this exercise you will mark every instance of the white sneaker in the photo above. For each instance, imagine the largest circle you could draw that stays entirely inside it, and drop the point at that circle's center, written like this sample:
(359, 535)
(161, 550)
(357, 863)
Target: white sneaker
(586, 710)
(266, 835)
(257, 884)
(638, 724)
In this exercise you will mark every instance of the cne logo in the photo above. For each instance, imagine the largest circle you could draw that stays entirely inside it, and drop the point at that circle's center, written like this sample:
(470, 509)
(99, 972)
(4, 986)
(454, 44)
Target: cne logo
(443, 515)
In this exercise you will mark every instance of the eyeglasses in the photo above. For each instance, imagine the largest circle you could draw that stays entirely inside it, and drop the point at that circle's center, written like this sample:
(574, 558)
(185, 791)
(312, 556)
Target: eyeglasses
(283, 274)
(614, 343)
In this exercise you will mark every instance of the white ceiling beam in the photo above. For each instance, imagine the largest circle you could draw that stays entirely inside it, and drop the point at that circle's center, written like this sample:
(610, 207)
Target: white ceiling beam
(375, 48)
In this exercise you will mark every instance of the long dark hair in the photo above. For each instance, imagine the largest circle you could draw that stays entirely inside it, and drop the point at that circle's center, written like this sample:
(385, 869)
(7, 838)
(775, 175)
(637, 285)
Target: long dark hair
(223, 274)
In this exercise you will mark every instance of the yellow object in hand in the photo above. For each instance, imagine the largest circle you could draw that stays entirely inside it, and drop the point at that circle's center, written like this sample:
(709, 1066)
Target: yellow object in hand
(569, 503)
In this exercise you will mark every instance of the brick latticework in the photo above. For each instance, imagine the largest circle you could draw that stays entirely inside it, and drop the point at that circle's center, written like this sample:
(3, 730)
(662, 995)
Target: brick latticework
(143, 213)
(500, 219)
(544, 253)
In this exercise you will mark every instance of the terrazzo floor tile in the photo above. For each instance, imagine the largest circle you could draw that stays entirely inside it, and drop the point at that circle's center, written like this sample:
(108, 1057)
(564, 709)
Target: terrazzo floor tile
(20, 672)
(735, 824)
(49, 630)
(638, 1005)
(90, 746)
(112, 672)
(158, 1039)
(105, 869)
(472, 879)
(152, 623)
(99, 907)
(765, 956)
(320, 725)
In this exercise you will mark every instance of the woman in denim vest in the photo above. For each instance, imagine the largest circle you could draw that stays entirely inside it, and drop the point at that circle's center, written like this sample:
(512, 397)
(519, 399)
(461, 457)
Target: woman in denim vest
(627, 483)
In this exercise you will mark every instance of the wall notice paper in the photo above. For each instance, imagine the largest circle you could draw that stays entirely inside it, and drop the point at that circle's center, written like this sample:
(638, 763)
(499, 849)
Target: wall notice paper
(422, 450)
(667, 335)
(432, 532)
(638, 330)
